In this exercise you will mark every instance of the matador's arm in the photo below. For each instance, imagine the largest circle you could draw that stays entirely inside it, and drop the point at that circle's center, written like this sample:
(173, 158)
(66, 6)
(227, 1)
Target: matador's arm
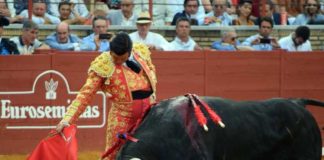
(83, 98)
(100, 70)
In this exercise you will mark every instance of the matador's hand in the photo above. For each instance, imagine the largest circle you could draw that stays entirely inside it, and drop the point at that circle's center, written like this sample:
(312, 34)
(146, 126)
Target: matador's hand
(61, 126)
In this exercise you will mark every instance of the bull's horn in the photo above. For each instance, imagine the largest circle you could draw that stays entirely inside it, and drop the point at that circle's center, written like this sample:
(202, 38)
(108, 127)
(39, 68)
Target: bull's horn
(134, 159)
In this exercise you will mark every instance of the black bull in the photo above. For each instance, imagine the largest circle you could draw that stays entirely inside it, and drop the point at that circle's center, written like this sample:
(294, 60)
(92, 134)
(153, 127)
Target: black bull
(275, 129)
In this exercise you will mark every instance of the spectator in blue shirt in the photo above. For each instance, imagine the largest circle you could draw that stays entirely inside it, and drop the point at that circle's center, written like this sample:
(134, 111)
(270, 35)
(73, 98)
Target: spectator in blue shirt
(228, 42)
(312, 14)
(62, 39)
(93, 42)
(6, 46)
(263, 40)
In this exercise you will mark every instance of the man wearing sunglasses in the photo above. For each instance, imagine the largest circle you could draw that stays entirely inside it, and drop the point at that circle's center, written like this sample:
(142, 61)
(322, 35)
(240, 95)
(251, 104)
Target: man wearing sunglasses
(228, 42)
(219, 16)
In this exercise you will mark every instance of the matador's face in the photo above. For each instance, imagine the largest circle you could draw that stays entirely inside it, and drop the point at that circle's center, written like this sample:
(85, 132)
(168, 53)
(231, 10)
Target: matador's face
(119, 59)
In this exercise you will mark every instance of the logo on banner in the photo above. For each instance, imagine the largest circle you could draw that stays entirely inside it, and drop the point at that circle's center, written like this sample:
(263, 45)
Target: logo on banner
(46, 103)
(51, 87)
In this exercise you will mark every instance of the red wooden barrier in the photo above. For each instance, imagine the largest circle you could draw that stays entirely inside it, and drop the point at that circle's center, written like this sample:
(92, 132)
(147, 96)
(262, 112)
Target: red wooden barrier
(235, 75)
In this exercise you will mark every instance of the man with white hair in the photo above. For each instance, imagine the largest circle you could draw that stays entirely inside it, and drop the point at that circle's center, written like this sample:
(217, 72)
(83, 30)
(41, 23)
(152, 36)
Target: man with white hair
(228, 42)
(153, 40)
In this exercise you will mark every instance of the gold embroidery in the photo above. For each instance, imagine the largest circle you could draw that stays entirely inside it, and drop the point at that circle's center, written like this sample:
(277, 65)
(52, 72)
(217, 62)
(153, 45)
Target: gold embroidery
(122, 95)
(136, 81)
(131, 84)
(75, 103)
(103, 65)
(114, 91)
(123, 87)
(142, 50)
(117, 82)
(83, 98)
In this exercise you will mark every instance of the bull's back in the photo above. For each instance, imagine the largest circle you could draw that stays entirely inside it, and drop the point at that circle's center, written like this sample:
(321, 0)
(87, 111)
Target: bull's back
(270, 129)
(274, 129)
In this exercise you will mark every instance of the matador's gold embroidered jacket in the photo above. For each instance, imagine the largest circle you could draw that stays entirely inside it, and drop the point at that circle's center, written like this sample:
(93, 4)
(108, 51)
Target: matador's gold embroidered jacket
(117, 81)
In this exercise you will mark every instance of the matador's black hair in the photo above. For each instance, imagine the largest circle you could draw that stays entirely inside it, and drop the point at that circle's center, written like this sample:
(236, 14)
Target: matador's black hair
(121, 44)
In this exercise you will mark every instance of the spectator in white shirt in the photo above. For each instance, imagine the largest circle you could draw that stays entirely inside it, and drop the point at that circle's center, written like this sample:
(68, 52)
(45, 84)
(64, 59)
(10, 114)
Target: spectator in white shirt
(65, 9)
(78, 7)
(143, 35)
(39, 14)
(28, 42)
(125, 16)
(164, 10)
(183, 41)
(297, 41)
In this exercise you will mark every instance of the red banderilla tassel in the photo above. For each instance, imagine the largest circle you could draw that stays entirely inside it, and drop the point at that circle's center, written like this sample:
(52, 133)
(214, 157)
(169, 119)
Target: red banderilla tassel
(213, 115)
(127, 137)
(202, 121)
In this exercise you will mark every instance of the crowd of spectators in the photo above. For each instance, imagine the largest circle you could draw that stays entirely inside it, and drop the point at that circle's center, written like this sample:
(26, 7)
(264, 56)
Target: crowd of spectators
(180, 13)
(166, 12)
